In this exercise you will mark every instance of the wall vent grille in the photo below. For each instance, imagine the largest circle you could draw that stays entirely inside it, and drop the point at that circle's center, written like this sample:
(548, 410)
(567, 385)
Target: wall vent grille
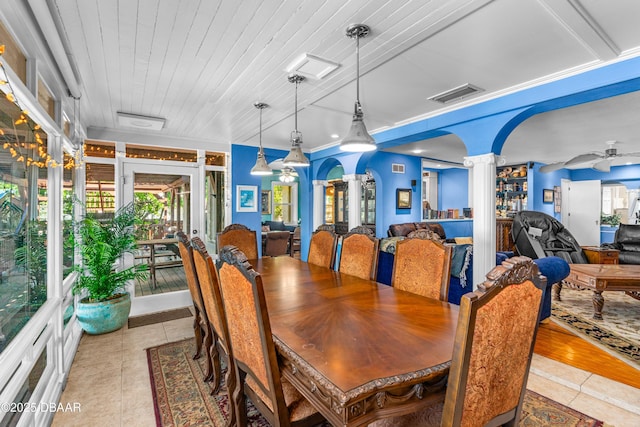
(397, 168)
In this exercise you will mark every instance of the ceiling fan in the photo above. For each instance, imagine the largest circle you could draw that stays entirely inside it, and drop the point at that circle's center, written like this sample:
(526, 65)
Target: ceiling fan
(602, 164)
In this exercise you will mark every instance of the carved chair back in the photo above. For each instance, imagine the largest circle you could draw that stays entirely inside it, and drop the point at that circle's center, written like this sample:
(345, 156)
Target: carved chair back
(209, 284)
(201, 328)
(240, 236)
(322, 248)
(253, 348)
(359, 253)
(422, 266)
(495, 337)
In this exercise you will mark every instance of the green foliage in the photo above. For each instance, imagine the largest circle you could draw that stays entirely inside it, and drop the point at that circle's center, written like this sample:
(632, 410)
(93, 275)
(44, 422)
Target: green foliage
(609, 219)
(31, 254)
(148, 210)
(102, 243)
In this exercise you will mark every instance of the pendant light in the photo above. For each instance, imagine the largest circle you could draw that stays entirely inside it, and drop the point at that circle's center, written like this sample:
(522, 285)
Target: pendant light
(358, 139)
(296, 157)
(261, 167)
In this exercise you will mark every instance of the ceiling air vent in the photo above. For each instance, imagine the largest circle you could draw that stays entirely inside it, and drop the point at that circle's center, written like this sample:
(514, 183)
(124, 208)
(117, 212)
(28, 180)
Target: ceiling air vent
(455, 94)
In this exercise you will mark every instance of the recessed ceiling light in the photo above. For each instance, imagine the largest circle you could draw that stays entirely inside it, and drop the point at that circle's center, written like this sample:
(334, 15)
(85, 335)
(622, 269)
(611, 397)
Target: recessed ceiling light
(140, 122)
(311, 66)
(416, 151)
(335, 136)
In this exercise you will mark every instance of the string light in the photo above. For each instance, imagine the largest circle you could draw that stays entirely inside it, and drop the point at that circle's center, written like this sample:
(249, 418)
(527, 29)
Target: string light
(12, 142)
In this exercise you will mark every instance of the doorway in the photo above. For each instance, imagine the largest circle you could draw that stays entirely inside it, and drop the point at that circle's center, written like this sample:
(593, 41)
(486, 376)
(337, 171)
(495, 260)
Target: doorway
(164, 205)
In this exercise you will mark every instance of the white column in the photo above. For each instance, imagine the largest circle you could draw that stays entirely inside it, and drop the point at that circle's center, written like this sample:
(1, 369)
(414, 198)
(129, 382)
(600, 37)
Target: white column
(483, 170)
(318, 202)
(354, 183)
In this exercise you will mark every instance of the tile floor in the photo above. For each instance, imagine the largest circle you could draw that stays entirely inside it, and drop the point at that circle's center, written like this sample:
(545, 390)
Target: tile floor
(116, 391)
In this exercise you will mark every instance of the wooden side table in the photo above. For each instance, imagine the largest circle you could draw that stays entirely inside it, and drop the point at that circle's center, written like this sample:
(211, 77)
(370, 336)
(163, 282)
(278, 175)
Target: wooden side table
(598, 255)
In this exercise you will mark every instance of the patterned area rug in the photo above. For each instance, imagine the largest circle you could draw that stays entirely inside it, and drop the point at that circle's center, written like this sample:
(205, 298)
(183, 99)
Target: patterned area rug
(618, 332)
(182, 398)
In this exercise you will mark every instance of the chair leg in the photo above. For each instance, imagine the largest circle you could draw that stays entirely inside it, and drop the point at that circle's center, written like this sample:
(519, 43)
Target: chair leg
(215, 360)
(237, 399)
(208, 340)
(197, 332)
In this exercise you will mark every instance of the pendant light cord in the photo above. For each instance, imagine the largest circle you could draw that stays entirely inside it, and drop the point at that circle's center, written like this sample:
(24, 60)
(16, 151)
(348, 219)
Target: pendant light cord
(295, 113)
(260, 137)
(357, 69)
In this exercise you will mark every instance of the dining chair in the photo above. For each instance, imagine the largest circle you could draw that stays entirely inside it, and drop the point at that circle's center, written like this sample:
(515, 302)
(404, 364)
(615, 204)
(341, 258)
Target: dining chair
(277, 243)
(240, 236)
(326, 227)
(422, 266)
(254, 351)
(322, 248)
(359, 253)
(210, 287)
(495, 337)
(201, 329)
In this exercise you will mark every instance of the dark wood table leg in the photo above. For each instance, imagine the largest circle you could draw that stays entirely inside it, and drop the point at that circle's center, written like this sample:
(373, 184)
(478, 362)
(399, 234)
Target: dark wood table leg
(557, 288)
(598, 303)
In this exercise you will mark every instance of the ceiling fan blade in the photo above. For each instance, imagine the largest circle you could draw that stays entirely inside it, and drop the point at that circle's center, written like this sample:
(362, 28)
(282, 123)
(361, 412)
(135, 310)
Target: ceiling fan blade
(551, 167)
(602, 166)
(583, 158)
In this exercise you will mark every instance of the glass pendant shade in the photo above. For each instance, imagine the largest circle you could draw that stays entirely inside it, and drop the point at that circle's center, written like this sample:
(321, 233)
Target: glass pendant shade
(296, 157)
(261, 167)
(358, 139)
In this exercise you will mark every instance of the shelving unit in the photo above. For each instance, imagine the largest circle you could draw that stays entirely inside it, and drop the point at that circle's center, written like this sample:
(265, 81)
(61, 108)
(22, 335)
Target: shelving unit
(511, 190)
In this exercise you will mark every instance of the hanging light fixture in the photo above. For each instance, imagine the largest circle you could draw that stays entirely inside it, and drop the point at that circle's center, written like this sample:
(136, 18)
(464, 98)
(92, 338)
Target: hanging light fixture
(296, 157)
(261, 167)
(286, 175)
(358, 139)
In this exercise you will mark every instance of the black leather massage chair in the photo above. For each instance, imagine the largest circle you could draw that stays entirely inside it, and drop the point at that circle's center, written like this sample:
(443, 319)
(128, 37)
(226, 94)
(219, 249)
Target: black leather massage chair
(538, 235)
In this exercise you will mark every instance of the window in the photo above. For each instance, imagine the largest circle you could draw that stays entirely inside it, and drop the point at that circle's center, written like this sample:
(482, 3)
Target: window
(615, 201)
(285, 202)
(24, 162)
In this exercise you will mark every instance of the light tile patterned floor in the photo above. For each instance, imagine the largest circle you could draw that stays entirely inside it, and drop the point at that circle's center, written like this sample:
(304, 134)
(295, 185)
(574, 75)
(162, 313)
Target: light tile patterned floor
(110, 379)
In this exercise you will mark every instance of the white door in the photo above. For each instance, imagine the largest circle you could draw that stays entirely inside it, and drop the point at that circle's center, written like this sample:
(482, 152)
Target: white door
(582, 219)
(176, 183)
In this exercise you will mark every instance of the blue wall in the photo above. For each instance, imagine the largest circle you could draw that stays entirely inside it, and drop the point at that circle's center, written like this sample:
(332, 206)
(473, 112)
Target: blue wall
(453, 189)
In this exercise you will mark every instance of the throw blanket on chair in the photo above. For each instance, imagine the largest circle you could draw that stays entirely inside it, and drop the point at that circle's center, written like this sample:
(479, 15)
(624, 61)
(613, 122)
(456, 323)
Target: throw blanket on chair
(460, 258)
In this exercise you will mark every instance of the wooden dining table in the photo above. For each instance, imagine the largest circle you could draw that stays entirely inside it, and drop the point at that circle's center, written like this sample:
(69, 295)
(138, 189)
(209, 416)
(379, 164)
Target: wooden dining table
(356, 349)
(153, 263)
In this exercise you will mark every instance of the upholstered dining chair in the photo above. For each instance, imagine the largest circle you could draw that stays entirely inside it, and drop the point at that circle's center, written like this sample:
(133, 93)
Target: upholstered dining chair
(210, 287)
(359, 253)
(240, 236)
(322, 248)
(495, 337)
(201, 329)
(253, 348)
(422, 266)
(277, 243)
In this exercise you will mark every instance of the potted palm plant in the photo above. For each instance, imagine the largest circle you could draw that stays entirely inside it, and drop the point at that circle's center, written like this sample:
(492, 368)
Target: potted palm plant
(102, 242)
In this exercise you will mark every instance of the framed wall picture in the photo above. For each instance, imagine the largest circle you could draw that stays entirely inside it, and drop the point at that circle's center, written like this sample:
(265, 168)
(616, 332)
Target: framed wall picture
(547, 196)
(265, 202)
(246, 198)
(403, 198)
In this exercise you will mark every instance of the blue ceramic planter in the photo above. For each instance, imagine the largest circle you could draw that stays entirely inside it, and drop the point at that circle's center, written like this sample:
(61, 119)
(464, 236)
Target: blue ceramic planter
(105, 316)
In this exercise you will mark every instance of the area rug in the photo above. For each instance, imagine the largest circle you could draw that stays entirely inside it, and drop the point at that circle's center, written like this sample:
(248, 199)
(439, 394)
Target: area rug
(164, 316)
(618, 332)
(182, 398)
